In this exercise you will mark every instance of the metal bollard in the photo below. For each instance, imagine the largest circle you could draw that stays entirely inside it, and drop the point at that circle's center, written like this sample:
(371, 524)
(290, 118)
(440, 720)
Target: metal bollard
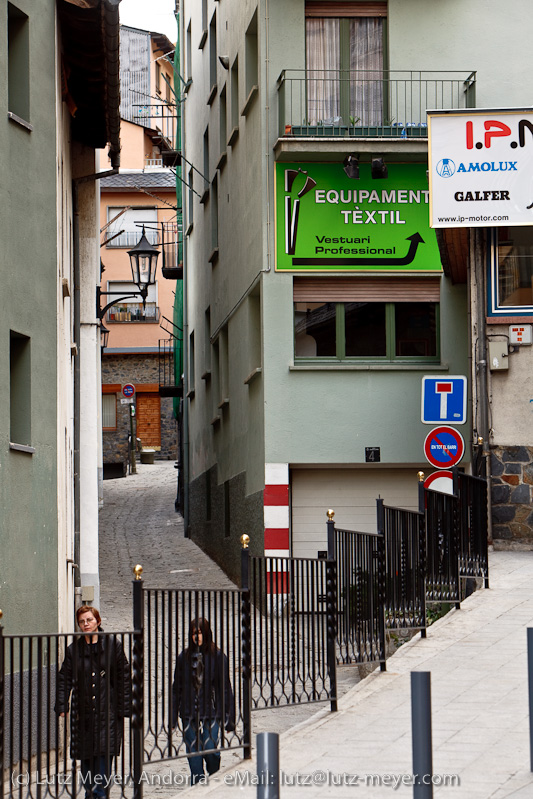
(530, 691)
(268, 765)
(421, 734)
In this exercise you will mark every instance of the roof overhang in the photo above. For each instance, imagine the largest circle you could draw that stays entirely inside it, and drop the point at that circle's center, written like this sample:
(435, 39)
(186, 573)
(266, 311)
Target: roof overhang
(90, 52)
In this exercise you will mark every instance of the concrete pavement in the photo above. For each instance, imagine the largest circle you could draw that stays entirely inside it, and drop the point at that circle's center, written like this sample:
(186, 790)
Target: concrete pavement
(477, 660)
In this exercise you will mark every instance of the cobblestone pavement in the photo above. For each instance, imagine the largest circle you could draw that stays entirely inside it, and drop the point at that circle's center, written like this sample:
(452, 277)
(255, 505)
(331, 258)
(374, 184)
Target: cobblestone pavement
(138, 524)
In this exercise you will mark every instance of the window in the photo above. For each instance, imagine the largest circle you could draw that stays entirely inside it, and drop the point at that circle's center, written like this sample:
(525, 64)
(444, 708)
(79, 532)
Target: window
(128, 226)
(158, 77)
(382, 331)
(234, 99)
(190, 201)
(131, 309)
(109, 411)
(345, 64)
(189, 52)
(214, 214)
(18, 62)
(222, 120)
(511, 283)
(205, 193)
(19, 389)
(250, 63)
(191, 363)
(203, 37)
(213, 58)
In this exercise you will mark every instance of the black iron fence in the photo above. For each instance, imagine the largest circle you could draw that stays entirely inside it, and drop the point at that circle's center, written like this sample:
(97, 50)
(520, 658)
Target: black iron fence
(66, 715)
(404, 534)
(360, 561)
(473, 543)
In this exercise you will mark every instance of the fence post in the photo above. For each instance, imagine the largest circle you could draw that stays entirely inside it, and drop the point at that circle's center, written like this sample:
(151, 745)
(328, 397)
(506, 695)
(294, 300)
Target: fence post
(421, 734)
(268, 765)
(530, 691)
(137, 688)
(422, 543)
(246, 632)
(2, 678)
(331, 610)
(382, 567)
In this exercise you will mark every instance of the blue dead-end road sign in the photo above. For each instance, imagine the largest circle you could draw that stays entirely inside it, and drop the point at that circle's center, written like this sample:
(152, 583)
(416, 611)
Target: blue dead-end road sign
(444, 399)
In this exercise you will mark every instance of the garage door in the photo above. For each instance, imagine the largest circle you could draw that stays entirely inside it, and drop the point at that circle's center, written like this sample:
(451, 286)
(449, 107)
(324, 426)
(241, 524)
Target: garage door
(352, 494)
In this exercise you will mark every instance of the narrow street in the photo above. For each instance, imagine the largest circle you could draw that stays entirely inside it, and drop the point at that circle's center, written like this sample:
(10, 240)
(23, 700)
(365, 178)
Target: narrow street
(138, 524)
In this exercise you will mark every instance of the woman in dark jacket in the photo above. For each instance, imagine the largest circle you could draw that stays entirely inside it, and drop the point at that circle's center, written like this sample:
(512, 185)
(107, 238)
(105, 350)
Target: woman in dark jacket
(202, 698)
(96, 672)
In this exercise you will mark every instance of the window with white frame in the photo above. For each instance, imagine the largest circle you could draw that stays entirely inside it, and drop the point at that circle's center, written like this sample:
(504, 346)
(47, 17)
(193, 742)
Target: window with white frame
(131, 309)
(127, 224)
(511, 271)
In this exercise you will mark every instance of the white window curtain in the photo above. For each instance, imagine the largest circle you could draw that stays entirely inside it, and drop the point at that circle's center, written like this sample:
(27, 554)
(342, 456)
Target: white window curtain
(366, 70)
(323, 64)
(327, 67)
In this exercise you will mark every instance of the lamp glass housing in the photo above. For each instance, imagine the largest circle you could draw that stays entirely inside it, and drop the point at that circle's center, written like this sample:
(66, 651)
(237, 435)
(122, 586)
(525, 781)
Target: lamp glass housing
(143, 261)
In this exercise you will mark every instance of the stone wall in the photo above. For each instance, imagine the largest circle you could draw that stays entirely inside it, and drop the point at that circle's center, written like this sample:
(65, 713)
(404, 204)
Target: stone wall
(137, 369)
(512, 479)
(219, 514)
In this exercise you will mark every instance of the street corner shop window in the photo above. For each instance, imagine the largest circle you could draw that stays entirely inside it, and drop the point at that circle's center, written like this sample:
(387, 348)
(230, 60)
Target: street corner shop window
(370, 331)
(511, 285)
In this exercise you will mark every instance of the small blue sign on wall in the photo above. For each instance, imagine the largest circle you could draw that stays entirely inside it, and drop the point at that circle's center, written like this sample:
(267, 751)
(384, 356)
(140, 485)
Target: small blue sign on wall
(444, 399)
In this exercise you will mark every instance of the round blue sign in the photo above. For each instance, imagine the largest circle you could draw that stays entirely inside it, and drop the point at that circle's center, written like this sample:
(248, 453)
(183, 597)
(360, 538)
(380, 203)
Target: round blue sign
(128, 390)
(444, 447)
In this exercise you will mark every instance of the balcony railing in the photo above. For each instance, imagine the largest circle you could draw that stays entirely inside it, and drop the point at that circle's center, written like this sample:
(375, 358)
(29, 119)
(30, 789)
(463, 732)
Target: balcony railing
(345, 103)
(134, 312)
(167, 368)
(160, 117)
(172, 249)
(131, 237)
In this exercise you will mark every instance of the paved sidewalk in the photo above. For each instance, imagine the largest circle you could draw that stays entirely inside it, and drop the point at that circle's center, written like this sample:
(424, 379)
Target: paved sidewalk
(477, 660)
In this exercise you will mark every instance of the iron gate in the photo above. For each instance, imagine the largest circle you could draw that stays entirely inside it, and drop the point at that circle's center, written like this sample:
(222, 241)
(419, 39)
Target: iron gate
(291, 606)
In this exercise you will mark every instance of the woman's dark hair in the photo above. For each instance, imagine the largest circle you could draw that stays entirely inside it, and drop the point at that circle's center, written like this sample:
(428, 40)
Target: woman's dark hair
(204, 627)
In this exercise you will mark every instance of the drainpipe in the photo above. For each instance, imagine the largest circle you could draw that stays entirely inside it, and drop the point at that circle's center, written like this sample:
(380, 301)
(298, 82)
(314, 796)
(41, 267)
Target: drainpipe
(479, 256)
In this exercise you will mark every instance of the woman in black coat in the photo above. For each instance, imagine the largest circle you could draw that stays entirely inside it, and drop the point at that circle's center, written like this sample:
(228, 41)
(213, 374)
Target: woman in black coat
(96, 672)
(202, 698)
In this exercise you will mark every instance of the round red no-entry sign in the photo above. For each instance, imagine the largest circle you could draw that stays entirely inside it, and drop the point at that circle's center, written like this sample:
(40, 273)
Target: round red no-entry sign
(444, 447)
(441, 481)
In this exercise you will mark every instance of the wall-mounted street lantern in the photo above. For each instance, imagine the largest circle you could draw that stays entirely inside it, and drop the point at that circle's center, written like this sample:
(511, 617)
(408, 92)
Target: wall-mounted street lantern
(104, 336)
(143, 262)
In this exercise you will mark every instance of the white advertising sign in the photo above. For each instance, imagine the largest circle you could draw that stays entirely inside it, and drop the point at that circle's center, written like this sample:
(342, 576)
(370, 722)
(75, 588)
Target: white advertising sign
(480, 168)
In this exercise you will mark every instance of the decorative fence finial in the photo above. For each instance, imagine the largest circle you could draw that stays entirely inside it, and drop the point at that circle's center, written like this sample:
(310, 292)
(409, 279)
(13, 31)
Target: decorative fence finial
(331, 514)
(421, 477)
(138, 570)
(245, 540)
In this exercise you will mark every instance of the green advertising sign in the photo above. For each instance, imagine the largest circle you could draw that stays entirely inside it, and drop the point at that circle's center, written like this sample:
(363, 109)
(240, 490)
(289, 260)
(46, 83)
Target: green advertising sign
(326, 221)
